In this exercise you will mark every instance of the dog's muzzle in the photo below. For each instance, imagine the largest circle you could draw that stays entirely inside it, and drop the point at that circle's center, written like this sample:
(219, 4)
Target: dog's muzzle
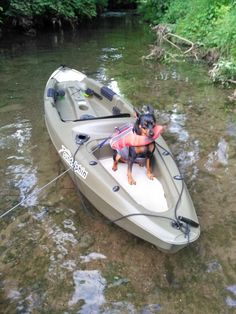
(150, 133)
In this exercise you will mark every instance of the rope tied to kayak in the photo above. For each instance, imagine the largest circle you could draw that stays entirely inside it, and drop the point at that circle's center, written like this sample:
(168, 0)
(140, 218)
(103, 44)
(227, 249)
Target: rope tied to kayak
(80, 140)
(32, 194)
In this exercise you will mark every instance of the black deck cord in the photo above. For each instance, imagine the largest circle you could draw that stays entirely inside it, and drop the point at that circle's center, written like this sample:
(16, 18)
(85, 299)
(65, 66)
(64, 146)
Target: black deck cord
(184, 228)
(178, 219)
(120, 115)
(179, 225)
(142, 214)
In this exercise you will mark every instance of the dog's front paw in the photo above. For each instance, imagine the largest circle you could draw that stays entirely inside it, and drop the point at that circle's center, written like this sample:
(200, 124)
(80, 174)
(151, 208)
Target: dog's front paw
(131, 181)
(114, 167)
(150, 176)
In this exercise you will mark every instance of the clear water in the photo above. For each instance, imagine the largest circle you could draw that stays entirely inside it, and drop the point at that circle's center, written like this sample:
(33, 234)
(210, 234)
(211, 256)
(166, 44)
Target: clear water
(57, 257)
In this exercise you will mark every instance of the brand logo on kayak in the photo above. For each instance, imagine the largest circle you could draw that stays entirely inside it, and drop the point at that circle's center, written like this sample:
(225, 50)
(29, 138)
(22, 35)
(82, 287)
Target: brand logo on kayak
(77, 168)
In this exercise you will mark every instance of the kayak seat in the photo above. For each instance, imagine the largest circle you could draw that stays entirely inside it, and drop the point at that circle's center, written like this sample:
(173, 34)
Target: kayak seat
(52, 92)
(107, 92)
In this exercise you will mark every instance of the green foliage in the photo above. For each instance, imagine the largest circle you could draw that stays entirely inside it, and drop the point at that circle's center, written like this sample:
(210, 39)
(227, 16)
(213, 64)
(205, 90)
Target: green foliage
(122, 4)
(212, 23)
(67, 9)
(153, 10)
(175, 12)
(223, 35)
(1, 9)
(223, 71)
(101, 4)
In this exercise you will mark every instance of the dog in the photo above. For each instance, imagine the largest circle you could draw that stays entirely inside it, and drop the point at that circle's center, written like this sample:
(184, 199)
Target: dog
(135, 142)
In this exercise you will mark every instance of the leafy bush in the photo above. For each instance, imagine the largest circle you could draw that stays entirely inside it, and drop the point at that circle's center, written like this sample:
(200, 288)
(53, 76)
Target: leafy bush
(211, 23)
(64, 9)
(223, 35)
(223, 71)
(152, 10)
(122, 4)
(1, 9)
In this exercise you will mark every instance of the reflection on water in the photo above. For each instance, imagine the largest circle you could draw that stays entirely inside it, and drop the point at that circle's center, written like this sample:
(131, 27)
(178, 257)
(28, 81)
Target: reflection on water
(230, 301)
(111, 54)
(56, 258)
(231, 129)
(176, 126)
(218, 157)
(89, 288)
(114, 86)
(63, 243)
(20, 173)
(188, 158)
(17, 135)
(188, 153)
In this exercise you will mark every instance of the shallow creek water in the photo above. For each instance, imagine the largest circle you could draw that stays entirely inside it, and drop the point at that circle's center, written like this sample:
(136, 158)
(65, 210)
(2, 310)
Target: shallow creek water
(57, 256)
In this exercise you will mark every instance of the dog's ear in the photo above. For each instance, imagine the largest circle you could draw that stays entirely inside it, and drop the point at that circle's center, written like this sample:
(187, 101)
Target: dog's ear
(136, 128)
(150, 109)
(137, 122)
(137, 113)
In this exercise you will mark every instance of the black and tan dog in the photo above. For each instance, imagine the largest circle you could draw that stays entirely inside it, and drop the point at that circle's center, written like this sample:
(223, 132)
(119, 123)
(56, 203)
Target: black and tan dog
(137, 142)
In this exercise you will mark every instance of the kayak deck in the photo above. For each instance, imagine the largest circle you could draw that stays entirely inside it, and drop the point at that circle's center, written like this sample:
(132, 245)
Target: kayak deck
(147, 193)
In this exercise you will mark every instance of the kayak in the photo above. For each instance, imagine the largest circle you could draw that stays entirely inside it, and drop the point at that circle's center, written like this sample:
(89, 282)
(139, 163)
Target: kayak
(81, 117)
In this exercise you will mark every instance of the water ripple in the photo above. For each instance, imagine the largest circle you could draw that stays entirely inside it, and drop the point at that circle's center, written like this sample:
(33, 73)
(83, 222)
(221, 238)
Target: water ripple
(23, 178)
(111, 54)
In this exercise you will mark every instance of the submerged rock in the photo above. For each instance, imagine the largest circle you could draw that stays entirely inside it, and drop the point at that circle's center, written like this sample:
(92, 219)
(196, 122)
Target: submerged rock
(213, 266)
(86, 241)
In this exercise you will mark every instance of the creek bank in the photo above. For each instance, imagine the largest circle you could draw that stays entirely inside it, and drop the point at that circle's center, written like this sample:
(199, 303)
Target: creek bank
(170, 47)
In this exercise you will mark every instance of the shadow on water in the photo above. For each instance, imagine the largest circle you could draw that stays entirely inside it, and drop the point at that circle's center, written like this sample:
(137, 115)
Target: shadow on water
(57, 258)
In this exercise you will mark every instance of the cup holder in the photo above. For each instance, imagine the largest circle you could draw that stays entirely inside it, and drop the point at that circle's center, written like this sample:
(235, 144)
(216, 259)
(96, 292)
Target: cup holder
(83, 107)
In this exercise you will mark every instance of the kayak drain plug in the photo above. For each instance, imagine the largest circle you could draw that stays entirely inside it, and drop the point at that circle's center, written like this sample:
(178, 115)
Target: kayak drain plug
(115, 188)
(93, 163)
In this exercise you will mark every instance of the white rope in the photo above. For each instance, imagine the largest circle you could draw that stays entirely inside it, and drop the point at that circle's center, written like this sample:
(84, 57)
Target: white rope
(38, 191)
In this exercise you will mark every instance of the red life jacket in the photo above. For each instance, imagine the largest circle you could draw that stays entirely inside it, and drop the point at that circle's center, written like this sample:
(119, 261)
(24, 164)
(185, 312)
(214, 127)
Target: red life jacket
(127, 137)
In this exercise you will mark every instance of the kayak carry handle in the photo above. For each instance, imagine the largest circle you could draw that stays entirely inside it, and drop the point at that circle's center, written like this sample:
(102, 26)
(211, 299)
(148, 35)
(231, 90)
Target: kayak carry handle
(189, 221)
